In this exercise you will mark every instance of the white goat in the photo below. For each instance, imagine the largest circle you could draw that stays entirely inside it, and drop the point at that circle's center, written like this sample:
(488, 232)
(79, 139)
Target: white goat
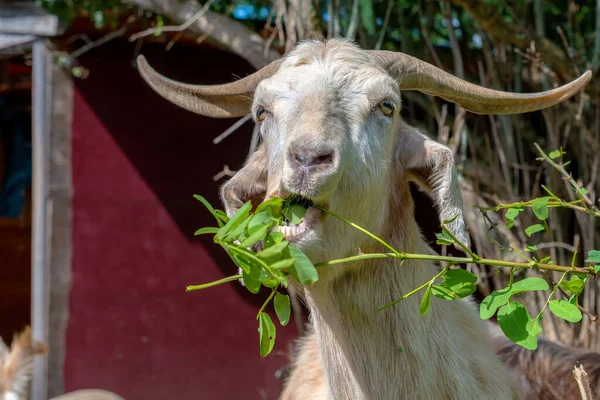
(331, 132)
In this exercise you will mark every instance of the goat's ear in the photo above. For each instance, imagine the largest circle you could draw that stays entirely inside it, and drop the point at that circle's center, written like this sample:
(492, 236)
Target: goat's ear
(431, 166)
(249, 183)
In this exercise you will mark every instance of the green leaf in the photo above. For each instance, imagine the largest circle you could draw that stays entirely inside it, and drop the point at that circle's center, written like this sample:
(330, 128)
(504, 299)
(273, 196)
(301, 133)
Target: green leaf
(159, 24)
(303, 270)
(251, 274)
(555, 154)
(294, 213)
(583, 191)
(493, 301)
(565, 310)
(511, 214)
(262, 218)
(238, 232)
(531, 249)
(367, 17)
(458, 283)
(529, 284)
(518, 326)
(425, 302)
(274, 238)
(267, 333)
(204, 231)
(593, 257)
(221, 214)
(575, 285)
(258, 234)
(272, 206)
(273, 253)
(240, 216)
(282, 308)
(210, 208)
(267, 280)
(540, 208)
(444, 238)
(498, 298)
(283, 264)
(534, 229)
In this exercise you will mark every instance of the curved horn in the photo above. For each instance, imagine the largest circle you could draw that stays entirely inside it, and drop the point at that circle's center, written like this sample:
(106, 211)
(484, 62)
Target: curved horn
(414, 74)
(218, 101)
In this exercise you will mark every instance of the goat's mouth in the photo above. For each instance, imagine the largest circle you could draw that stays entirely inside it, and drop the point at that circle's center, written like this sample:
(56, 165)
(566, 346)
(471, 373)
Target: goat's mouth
(314, 214)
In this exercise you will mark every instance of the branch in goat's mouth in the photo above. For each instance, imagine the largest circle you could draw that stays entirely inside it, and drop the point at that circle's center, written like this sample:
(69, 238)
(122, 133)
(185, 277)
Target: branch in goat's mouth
(295, 210)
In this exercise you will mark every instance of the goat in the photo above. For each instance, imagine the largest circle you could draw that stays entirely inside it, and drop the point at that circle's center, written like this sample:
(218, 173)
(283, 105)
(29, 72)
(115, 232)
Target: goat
(331, 133)
(16, 367)
(543, 374)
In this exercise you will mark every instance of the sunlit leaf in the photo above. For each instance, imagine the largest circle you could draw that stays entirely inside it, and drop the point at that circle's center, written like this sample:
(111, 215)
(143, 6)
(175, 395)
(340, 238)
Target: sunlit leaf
(534, 229)
(540, 208)
(565, 310)
(444, 238)
(267, 333)
(555, 154)
(210, 208)
(282, 308)
(518, 325)
(239, 217)
(498, 298)
(294, 213)
(272, 206)
(204, 231)
(425, 302)
(258, 233)
(273, 253)
(283, 264)
(250, 275)
(511, 214)
(593, 257)
(575, 285)
(458, 283)
(303, 269)
(262, 218)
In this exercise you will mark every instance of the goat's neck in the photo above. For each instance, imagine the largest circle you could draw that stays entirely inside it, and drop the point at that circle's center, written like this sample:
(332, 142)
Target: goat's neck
(396, 353)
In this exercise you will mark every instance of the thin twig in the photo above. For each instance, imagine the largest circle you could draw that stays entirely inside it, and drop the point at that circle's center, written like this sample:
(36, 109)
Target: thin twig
(583, 382)
(104, 39)
(232, 129)
(224, 172)
(173, 28)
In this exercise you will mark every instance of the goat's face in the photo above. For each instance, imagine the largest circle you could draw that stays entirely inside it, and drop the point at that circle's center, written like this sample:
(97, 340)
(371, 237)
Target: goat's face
(328, 115)
(327, 121)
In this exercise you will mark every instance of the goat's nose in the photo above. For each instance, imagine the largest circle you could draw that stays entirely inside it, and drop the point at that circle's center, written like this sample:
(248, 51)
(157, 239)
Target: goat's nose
(309, 159)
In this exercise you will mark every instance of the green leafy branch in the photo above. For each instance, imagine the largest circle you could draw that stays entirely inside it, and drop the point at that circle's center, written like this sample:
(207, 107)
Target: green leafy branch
(254, 243)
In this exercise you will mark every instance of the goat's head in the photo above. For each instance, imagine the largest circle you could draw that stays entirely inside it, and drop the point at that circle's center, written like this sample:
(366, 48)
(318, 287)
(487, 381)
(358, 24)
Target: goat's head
(331, 133)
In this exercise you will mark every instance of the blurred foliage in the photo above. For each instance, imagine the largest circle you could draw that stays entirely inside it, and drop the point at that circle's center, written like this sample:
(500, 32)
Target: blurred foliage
(406, 22)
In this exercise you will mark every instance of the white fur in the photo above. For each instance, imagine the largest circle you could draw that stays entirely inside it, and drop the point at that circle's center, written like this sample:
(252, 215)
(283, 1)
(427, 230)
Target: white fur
(325, 96)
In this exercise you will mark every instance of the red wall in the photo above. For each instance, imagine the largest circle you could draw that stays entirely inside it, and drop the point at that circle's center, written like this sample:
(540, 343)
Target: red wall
(137, 160)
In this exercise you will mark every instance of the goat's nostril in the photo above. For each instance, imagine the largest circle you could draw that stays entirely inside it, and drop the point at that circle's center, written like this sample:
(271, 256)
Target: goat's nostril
(311, 159)
(324, 159)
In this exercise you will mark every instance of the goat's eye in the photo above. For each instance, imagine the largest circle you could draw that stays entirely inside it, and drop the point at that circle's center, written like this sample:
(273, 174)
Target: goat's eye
(387, 107)
(261, 114)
